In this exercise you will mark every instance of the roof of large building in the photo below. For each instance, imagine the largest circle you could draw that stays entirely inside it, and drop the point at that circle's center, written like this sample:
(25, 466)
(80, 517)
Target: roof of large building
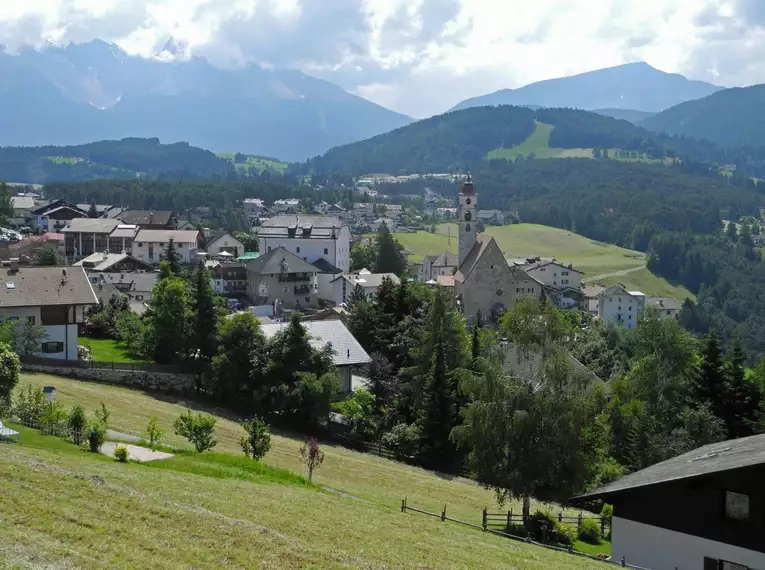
(482, 242)
(125, 231)
(614, 290)
(100, 208)
(22, 202)
(590, 291)
(88, 225)
(214, 236)
(43, 286)
(368, 279)
(164, 236)
(103, 261)
(665, 303)
(147, 217)
(713, 458)
(300, 226)
(546, 262)
(445, 259)
(139, 282)
(348, 351)
(279, 259)
(325, 266)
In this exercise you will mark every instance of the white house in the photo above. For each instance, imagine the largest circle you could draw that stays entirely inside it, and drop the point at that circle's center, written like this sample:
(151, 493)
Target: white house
(309, 237)
(343, 286)
(666, 307)
(389, 222)
(701, 510)
(348, 352)
(433, 266)
(220, 242)
(616, 304)
(150, 245)
(562, 282)
(55, 297)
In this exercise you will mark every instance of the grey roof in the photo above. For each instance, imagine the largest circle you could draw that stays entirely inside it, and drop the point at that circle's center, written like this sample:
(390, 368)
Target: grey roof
(147, 217)
(325, 266)
(547, 262)
(100, 262)
(125, 231)
(271, 262)
(529, 365)
(666, 303)
(214, 236)
(45, 286)
(22, 202)
(164, 236)
(713, 458)
(490, 213)
(100, 208)
(140, 282)
(368, 279)
(446, 259)
(88, 225)
(348, 351)
(302, 226)
(614, 290)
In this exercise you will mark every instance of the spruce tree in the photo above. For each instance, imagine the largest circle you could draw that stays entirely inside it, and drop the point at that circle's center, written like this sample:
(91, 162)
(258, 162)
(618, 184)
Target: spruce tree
(93, 211)
(389, 256)
(438, 414)
(205, 315)
(740, 396)
(382, 383)
(173, 258)
(710, 380)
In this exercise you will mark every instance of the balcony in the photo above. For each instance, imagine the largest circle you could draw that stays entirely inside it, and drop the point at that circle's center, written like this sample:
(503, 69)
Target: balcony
(294, 277)
(302, 289)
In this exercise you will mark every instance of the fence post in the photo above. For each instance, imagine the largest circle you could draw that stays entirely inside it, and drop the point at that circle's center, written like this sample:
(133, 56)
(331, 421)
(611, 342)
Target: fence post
(484, 521)
(560, 517)
(579, 520)
(624, 562)
(509, 518)
(443, 514)
(403, 505)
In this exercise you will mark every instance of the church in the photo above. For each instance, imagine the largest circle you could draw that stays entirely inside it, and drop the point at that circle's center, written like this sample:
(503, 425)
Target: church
(484, 280)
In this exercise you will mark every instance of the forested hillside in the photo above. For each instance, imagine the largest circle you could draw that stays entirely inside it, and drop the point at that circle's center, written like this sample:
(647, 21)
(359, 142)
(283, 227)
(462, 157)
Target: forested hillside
(732, 117)
(125, 158)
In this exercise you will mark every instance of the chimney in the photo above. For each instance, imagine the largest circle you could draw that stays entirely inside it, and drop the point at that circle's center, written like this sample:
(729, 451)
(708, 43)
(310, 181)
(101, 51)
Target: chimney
(151, 217)
(13, 266)
(105, 254)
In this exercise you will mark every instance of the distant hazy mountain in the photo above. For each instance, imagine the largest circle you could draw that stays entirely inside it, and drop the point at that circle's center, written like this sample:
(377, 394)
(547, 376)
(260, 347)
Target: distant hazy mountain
(635, 86)
(733, 117)
(95, 91)
(625, 114)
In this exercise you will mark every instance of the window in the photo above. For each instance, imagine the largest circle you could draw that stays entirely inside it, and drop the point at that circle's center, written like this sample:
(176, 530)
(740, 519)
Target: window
(307, 299)
(13, 318)
(468, 217)
(139, 297)
(725, 565)
(736, 506)
(180, 246)
(269, 248)
(161, 244)
(326, 251)
(564, 273)
(52, 347)
(31, 320)
(564, 281)
(140, 244)
(297, 249)
(499, 292)
(467, 228)
(286, 289)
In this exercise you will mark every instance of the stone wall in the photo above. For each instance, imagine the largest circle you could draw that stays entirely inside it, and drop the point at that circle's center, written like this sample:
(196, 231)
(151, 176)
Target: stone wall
(145, 380)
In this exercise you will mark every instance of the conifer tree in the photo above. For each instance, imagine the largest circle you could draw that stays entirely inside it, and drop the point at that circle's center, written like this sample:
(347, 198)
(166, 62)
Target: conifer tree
(93, 211)
(740, 396)
(389, 256)
(710, 381)
(173, 258)
(205, 315)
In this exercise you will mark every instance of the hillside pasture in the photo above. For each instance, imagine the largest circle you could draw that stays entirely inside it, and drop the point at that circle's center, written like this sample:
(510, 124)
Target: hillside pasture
(538, 144)
(259, 162)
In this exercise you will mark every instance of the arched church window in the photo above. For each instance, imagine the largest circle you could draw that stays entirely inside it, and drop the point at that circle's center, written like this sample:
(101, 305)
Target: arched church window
(468, 201)
(467, 228)
(468, 216)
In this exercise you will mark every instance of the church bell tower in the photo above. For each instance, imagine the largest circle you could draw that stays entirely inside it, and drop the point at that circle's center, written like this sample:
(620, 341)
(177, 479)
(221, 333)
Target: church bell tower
(467, 218)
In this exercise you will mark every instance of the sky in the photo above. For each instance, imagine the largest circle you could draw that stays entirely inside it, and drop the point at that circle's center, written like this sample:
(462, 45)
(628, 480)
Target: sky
(418, 57)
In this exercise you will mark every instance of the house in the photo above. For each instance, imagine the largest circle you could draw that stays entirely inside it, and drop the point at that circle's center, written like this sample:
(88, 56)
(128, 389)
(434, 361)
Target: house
(309, 237)
(704, 509)
(562, 283)
(616, 304)
(280, 275)
(492, 217)
(344, 285)
(103, 210)
(389, 222)
(348, 353)
(590, 301)
(122, 237)
(137, 286)
(54, 297)
(112, 262)
(85, 236)
(218, 242)
(364, 209)
(665, 306)
(150, 219)
(22, 209)
(434, 265)
(55, 215)
(327, 274)
(150, 245)
(229, 278)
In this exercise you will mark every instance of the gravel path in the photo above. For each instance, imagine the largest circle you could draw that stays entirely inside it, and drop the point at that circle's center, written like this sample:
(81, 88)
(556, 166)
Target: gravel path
(120, 436)
(135, 452)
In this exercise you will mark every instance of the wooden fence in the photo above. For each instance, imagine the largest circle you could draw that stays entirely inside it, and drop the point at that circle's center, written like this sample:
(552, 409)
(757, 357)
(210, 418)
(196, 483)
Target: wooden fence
(508, 519)
(485, 527)
(188, 368)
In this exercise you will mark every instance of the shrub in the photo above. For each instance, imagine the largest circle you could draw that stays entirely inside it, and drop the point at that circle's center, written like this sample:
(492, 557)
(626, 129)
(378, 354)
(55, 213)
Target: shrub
(30, 405)
(403, 439)
(102, 416)
(153, 432)
(96, 437)
(54, 420)
(606, 514)
(197, 428)
(121, 453)
(359, 410)
(589, 531)
(311, 456)
(257, 442)
(76, 424)
(565, 533)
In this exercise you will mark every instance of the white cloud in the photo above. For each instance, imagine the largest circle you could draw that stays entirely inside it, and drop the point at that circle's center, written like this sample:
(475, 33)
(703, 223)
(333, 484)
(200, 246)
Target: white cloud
(420, 56)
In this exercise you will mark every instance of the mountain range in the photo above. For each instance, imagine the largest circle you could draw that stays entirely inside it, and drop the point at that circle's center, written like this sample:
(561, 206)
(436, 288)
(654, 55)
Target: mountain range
(633, 86)
(95, 91)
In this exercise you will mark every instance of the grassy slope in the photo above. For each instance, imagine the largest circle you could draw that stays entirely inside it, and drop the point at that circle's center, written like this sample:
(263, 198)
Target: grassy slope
(259, 162)
(539, 143)
(212, 511)
(107, 350)
(601, 262)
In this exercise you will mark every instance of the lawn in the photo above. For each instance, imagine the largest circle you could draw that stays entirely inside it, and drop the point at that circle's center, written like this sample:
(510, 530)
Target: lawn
(63, 159)
(63, 507)
(650, 284)
(539, 144)
(603, 548)
(260, 162)
(108, 350)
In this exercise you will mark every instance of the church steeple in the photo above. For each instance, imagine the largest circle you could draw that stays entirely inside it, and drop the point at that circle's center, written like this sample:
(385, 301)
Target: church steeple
(467, 218)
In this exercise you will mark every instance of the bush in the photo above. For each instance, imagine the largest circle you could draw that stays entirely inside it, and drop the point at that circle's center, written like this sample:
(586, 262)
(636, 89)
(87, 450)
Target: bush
(121, 453)
(589, 531)
(403, 439)
(564, 533)
(198, 429)
(102, 416)
(153, 432)
(606, 515)
(76, 424)
(257, 442)
(54, 420)
(358, 410)
(96, 437)
(30, 405)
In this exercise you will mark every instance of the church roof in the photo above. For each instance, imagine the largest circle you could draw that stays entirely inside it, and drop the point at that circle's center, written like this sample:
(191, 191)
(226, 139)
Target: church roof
(482, 243)
(468, 188)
